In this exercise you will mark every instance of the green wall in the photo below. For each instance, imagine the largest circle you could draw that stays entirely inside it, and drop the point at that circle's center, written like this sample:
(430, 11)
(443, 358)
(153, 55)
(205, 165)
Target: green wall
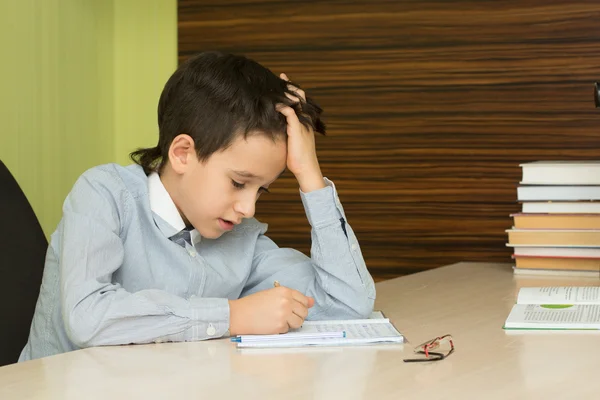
(80, 85)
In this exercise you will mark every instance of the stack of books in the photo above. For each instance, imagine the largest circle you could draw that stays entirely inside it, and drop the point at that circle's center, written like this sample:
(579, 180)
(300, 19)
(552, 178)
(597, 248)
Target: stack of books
(558, 230)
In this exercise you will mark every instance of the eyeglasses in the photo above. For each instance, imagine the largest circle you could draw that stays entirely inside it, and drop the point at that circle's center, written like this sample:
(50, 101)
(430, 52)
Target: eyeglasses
(443, 346)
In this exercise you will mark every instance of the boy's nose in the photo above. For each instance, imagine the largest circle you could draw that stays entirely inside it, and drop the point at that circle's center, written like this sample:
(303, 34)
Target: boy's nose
(246, 207)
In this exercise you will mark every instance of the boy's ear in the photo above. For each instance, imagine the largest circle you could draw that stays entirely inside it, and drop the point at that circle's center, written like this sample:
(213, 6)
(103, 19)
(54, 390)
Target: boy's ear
(182, 153)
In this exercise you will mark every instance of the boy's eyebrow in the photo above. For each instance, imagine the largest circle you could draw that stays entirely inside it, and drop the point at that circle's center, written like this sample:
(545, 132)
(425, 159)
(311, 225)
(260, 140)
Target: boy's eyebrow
(250, 175)
(246, 174)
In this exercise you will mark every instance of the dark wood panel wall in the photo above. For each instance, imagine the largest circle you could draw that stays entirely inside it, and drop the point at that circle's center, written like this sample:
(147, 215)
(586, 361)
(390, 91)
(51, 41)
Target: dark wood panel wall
(431, 106)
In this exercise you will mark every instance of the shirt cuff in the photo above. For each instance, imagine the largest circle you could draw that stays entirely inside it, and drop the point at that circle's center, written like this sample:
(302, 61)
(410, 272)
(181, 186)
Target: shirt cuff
(322, 206)
(209, 318)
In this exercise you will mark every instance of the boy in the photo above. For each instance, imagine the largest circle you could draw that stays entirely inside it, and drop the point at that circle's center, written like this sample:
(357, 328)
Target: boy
(167, 250)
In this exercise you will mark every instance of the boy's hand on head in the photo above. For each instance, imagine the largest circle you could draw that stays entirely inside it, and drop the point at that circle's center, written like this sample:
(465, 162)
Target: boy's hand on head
(269, 311)
(302, 155)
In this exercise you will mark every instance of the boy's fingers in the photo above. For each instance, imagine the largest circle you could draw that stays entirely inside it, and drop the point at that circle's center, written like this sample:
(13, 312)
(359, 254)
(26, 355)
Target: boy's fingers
(305, 301)
(300, 298)
(294, 321)
(293, 98)
(289, 113)
(285, 110)
(299, 92)
(300, 310)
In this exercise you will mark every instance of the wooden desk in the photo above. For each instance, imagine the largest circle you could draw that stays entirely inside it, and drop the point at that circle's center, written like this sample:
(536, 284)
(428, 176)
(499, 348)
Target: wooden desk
(468, 300)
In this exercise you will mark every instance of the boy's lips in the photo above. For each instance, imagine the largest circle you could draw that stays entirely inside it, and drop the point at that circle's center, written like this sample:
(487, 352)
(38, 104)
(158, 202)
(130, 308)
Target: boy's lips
(227, 224)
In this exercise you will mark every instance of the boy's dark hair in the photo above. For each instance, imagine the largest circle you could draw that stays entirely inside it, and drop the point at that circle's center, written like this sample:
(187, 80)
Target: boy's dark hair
(214, 97)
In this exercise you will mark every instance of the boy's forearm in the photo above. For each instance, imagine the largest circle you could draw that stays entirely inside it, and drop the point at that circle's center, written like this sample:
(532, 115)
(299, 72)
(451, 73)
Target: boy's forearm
(344, 284)
(344, 288)
(311, 181)
(144, 317)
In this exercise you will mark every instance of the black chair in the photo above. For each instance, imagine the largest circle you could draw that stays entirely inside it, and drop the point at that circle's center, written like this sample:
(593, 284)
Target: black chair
(22, 252)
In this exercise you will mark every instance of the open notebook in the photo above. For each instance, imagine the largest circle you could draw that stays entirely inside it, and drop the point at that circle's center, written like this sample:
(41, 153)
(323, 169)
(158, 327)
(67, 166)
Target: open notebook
(376, 329)
(556, 308)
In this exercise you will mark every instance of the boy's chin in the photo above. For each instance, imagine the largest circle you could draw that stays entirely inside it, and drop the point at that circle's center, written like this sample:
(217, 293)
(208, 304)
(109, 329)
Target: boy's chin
(210, 233)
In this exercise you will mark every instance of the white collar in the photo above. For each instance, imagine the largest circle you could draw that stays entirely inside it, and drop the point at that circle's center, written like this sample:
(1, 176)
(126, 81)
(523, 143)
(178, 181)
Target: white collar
(162, 204)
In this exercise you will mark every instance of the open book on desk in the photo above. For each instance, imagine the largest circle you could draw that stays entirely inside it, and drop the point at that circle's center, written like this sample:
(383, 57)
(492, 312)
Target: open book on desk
(565, 307)
(376, 329)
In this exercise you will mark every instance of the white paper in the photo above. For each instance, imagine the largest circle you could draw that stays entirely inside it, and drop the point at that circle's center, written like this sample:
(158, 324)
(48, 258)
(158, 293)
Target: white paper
(559, 295)
(357, 332)
(531, 316)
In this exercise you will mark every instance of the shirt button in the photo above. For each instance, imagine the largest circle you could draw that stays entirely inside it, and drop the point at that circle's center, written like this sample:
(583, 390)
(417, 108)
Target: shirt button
(210, 331)
(192, 253)
(354, 247)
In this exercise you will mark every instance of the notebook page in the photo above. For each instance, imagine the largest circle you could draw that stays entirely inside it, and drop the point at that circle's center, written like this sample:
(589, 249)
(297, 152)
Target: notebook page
(559, 295)
(357, 332)
(531, 316)
(358, 329)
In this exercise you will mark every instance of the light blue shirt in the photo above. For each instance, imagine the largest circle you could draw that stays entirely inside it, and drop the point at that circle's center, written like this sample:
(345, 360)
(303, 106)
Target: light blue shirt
(114, 276)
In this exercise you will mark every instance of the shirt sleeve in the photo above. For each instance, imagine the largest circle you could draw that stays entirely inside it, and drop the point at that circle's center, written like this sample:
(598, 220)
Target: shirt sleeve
(97, 311)
(335, 274)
